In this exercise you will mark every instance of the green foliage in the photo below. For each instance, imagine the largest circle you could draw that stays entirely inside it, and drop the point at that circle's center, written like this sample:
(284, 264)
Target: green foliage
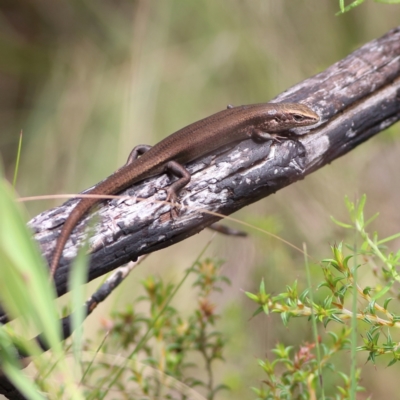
(17, 160)
(168, 361)
(27, 294)
(344, 8)
(374, 310)
(293, 374)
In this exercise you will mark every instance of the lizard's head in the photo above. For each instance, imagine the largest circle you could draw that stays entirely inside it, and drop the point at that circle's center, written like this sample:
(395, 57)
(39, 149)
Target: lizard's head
(289, 115)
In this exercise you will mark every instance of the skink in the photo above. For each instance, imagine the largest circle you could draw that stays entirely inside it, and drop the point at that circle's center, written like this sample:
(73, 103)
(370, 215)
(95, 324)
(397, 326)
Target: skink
(258, 121)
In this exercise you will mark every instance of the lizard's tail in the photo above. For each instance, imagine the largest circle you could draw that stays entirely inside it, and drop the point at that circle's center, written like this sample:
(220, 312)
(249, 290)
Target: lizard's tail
(77, 213)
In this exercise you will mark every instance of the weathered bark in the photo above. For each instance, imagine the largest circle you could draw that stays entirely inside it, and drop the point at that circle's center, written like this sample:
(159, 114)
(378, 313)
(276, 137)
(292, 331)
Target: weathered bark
(356, 98)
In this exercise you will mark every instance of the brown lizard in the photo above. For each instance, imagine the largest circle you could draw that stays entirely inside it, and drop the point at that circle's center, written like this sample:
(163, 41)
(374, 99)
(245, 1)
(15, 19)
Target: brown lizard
(259, 121)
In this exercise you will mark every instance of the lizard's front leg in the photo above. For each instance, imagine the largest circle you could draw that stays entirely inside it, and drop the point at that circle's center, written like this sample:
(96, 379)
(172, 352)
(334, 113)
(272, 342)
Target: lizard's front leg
(258, 134)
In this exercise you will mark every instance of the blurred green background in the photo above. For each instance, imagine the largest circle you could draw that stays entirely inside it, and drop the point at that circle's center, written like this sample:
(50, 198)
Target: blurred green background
(88, 80)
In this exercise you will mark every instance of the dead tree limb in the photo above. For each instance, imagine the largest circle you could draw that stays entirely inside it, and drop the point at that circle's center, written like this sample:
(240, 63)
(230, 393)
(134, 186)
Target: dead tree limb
(356, 98)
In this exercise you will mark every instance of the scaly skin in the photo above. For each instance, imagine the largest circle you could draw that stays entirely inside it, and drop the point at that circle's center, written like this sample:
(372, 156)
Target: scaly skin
(193, 141)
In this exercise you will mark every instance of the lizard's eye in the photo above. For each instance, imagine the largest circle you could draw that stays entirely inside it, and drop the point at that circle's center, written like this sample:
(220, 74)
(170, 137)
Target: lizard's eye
(298, 117)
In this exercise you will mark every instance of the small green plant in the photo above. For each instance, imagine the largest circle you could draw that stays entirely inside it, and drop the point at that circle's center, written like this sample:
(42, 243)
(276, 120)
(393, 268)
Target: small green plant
(292, 374)
(181, 351)
(360, 309)
(344, 8)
